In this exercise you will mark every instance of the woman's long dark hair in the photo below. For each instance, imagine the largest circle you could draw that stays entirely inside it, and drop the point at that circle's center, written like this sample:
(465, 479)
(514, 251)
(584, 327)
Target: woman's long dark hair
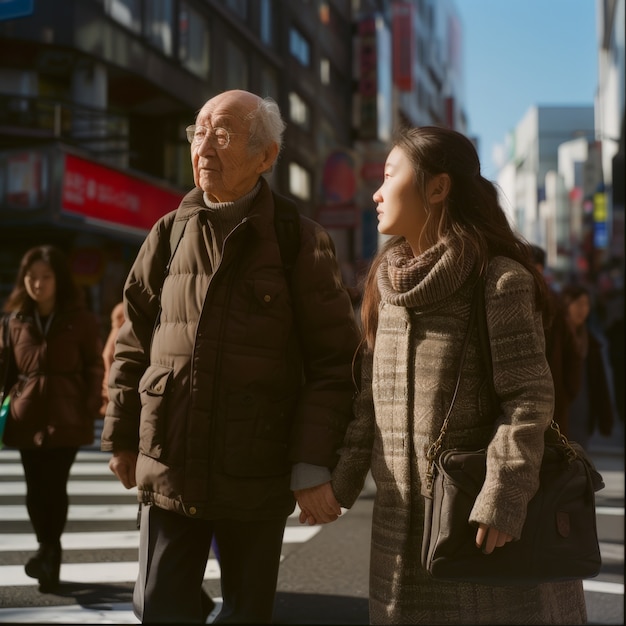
(67, 292)
(472, 214)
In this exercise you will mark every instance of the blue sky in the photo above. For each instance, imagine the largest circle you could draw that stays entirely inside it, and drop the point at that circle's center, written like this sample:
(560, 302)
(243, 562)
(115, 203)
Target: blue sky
(520, 53)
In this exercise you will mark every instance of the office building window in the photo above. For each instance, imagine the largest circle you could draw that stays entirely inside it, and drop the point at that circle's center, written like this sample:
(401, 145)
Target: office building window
(158, 24)
(299, 181)
(240, 7)
(299, 111)
(299, 47)
(325, 71)
(193, 40)
(125, 12)
(236, 67)
(266, 23)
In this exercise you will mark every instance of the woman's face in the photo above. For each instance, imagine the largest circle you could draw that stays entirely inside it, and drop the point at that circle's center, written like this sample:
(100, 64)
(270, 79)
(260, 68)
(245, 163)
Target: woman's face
(40, 285)
(579, 309)
(398, 201)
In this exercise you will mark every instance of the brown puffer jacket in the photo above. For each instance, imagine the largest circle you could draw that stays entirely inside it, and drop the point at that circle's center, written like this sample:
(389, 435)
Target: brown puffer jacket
(215, 402)
(58, 393)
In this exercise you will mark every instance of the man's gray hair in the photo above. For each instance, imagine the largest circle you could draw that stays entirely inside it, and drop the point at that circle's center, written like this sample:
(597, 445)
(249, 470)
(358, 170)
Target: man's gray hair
(266, 126)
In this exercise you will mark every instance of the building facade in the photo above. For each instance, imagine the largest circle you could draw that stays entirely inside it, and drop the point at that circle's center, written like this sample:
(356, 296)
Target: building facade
(95, 96)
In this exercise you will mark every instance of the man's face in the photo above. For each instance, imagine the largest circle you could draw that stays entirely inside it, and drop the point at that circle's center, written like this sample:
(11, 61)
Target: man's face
(229, 173)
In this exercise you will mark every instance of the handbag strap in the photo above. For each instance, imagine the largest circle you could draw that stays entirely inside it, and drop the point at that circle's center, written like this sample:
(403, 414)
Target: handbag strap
(434, 450)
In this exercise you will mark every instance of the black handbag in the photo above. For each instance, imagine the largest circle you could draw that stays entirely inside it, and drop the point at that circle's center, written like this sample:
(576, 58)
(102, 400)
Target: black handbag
(559, 540)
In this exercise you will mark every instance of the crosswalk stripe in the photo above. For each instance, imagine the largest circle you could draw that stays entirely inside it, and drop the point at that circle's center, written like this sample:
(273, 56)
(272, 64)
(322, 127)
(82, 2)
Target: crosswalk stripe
(100, 540)
(84, 454)
(105, 572)
(600, 586)
(74, 541)
(75, 488)
(78, 469)
(78, 512)
(82, 512)
(101, 613)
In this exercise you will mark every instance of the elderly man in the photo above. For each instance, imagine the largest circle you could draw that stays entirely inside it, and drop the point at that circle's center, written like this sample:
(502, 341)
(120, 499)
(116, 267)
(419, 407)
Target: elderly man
(232, 383)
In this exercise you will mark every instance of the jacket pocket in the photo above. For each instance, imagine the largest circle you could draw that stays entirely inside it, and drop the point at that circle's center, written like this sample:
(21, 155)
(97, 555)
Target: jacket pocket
(153, 391)
(269, 316)
(257, 436)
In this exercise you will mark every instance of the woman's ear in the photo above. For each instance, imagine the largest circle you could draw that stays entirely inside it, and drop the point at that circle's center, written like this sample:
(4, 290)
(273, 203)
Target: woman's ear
(439, 188)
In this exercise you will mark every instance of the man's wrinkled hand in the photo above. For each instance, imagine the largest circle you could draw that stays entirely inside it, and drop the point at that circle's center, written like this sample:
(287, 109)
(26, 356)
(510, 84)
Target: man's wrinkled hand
(318, 504)
(123, 464)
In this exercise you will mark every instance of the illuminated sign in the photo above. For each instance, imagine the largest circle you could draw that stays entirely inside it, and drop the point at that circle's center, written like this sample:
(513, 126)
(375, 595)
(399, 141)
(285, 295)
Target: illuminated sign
(103, 194)
(403, 45)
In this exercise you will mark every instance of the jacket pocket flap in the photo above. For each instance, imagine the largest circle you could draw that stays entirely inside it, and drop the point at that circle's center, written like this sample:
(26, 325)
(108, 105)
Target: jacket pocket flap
(155, 380)
(266, 291)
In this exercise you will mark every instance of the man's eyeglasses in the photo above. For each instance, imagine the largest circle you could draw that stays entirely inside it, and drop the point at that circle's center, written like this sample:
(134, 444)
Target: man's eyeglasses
(219, 137)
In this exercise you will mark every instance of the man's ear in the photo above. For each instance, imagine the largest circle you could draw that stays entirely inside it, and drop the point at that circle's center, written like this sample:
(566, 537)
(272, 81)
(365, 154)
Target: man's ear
(269, 158)
(439, 188)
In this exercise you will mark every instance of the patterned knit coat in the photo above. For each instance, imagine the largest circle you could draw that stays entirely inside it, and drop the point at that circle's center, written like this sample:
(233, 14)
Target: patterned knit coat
(406, 390)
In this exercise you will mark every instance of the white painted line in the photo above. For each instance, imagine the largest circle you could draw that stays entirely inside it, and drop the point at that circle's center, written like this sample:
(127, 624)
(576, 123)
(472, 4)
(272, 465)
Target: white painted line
(120, 572)
(612, 551)
(102, 613)
(105, 613)
(122, 540)
(610, 510)
(599, 586)
(78, 469)
(300, 534)
(74, 541)
(76, 487)
(77, 512)
(7, 454)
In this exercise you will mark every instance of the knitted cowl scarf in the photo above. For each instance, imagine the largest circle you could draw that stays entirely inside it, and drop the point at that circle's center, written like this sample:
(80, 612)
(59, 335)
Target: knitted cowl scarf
(425, 280)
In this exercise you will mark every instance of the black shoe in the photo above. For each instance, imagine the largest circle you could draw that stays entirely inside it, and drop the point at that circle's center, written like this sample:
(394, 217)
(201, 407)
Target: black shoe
(33, 565)
(50, 567)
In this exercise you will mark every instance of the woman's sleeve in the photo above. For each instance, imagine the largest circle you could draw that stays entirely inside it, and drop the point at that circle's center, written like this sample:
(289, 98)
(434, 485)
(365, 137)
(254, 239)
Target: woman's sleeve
(355, 455)
(524, 387)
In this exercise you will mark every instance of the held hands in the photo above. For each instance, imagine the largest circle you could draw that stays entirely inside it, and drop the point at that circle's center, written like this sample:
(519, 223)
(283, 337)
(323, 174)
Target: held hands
(123, 465)
(318, 505)
(489, 538)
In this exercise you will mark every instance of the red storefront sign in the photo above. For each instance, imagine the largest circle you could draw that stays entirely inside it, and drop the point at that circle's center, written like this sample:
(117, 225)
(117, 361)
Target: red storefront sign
(103, 194)
(403, 45)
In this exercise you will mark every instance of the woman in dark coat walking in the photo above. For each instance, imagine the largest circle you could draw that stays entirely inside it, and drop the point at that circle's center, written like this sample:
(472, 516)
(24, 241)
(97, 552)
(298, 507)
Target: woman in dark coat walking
(592, 409)
(57, 350)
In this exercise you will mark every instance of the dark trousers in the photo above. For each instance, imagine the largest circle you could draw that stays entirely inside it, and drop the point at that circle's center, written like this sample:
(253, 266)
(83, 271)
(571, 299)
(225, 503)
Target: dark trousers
(46, 471)
(173, 553)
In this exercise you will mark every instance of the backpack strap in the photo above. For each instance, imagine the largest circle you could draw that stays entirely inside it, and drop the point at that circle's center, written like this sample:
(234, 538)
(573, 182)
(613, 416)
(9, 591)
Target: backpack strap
(176, 234)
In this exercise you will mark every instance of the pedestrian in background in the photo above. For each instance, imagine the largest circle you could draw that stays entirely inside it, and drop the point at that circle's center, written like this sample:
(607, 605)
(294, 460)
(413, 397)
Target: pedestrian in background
(562, 351)
(108, 353)
(592, 409)
(233, 388)
(447, 232)
(58, 356)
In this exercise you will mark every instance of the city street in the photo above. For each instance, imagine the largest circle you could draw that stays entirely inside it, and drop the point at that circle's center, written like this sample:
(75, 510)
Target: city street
(324, 572)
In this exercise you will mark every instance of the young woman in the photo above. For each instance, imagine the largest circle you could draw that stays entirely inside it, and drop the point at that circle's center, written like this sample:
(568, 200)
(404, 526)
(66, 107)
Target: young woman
(448, 230)
(57, 350)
